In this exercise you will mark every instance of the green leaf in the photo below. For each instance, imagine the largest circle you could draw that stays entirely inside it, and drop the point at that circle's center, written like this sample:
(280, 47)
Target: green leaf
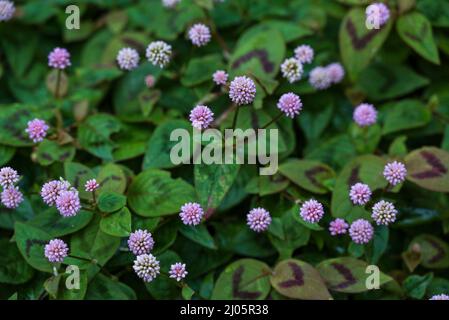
(307, 174)
(163, 287)
(405, 114)
(111, 201)
(49, 152)
(415, 286)
(436, 11)
(200, 70)
(22, 213)
(377, 247)
(198, 234)
(434, 251)
(348, 275)
(56, 225)
(78, 174)
(358, 44)
(416, 31)
(187, 293)
(6, 153)
(104, 288)
(154, 193)
(244, 279)
(117, 224)
(69, 278)
(299, 280)
(428, 168)
(13, 268)
(111, 179)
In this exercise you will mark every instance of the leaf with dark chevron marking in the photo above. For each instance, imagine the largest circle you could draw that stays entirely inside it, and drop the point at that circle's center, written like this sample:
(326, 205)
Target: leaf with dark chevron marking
(434, 251)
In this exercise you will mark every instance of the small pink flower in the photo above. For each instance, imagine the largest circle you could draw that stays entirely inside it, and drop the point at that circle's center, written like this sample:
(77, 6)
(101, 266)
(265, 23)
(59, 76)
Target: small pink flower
(191, 213)
(159, 53)
(170, 3)
(7, 10)
(51, 190)
(11, 197)
(91, 185)
(290, 104)
(360, 194)
(199, 34)
(37, 130)
(258, 219)
(146, 266)
(338, 226)
(56, 250)
(220, 77)
(361, 231)
(292, 69)
(304, 54)
(140, 242)
(242, 90)
(311, 211)
(201, 117)
(8, 177)
(384, 213)
(440, 297)
(319, 78)
(336, 72)
(59, 58)
(365, 115)
(150, 81)
(395, 172)
(128, 58)
(377, 14)
(68, 203)
(178, 271)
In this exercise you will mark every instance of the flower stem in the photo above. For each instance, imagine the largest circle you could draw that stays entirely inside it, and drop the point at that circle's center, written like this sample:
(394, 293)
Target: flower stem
(58, 83)
(236, 114)
(273, 120)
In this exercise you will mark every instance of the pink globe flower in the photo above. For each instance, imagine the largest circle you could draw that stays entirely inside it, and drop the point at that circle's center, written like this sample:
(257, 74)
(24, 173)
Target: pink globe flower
(59, 58)
(384, 213)
(146, 266)
(338, 226)
(440, 297)
(8, 177)
(140, 242)
(7, 10)
(91, 185)
(11, 197)
(68, 203)
(311, 211)
(150, 81)
(51, 190)
(128, 58)
(159, 53)
(199, 34)
(377, 14)
(395, 172)
(201, 117)
(319, 78)
(220, 77)
(56, 250)
(292, 69)
(360, 194)
(290, 104)
(242, 90)
(258, 219)
(361, 231)
(170, 3)
(304, 54)
(335, 72)
(178, 271)
(365, 115)
(191, 213)
(37, 130)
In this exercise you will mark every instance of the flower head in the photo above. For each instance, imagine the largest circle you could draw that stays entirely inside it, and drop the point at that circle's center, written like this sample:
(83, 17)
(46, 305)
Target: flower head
(128, 58)
(178, 271)
(377, 14)
(191, 213)
(242, 90)
(338, 226)
(292, 69)
(440, 297)
(220, 77)
(335, 72)
(51, 190)
(91, 185)
(11, 197)
(150, 81)
(395, 172)
(8, 177)
(201, 117)
(7, 10)
(56, 250)
(258, 219)
(37, 130)
(146, 266)
(365, 115)
(199, 34)
(68, 203)
(290, 104)
(319, 78)
(311, 211)
(360, 194)
(170, 3)
(140, 242)
(159, 53)
(361, 231)
(59, 58)
(304, 54)
(384, 213)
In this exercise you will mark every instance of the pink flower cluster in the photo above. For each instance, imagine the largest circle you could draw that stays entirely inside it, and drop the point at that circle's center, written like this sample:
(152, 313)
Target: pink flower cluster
(199, 34)
(338, 227)
(91, 185)
(361, 231)
(395, 172)
(377, 14)
(323, 77)
(191, 213)
(140, 242)
(258, 219)
(56, 250)
(178, 271)
(384, 213)
(311, 211)
(63, 196)
(201, 117)
(7, 10)
(146, 266)
(11, 197)
(360, 194)
(365, 115)
(242, 90)
(220, 77)
(290, 104)
(59, 58)
(128, 58)
(37, 130)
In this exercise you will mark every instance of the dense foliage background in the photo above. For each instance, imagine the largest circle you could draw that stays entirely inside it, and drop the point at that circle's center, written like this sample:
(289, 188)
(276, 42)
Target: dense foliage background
(115, 129)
